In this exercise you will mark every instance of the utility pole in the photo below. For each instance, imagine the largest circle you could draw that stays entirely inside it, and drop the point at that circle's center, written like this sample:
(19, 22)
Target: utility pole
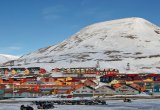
(153, 88)
(13, 91)
(97, 65)
(70, 61)
(25, 61)
(128, 66)
(38, 60)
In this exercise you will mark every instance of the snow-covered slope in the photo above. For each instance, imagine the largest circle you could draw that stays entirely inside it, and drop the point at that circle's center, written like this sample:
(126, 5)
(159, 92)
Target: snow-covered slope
(4, 58)
(113, 43)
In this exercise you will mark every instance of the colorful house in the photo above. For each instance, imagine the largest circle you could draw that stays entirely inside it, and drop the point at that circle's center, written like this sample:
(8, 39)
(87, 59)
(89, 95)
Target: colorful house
(156, 88)
(8, 93)
(139, 87)
(104, 90)
(89, 82)
(17, 70)
(46, 91)
(125, 90)
(26, 72)
(83, 91)
(107, 78)
(4, 71)
(62, 90)
(149, 85)
(42, 71)
(48, 80)
(2, 88)
(21, 93)
(34, 70)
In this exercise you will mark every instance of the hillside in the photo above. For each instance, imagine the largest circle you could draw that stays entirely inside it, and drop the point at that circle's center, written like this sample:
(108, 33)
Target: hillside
(5, 58)
(113, 43)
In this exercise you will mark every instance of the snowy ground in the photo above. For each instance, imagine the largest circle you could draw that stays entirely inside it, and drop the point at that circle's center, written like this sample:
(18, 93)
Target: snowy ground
(140, 104)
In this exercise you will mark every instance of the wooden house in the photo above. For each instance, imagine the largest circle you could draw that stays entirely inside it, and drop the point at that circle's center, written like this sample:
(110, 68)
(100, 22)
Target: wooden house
(17, 70)
(107, 78)
(34, 70)
(156, 88)
(1, 81)
(59, 82)
(112, 71)
(21, 93)
(62, 90)
(48, 80)
(68, 81)
(4, 71)
(104, 90)
(83, 91)
(42, 71)
(125, 90)
(139, 87)
(2, 89)
(56, 70)
(149, 86)
(46, 91)
(114, 82)
(27, 93)
(8, 93)
(26, 72)
(73, 82)
(89, 82)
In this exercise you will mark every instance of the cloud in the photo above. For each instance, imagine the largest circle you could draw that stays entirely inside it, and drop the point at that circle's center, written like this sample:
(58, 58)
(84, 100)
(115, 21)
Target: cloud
(9, 49)
(13, 48)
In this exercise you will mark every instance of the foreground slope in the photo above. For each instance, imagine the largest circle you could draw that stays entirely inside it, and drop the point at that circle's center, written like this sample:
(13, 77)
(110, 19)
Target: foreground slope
(113, 43)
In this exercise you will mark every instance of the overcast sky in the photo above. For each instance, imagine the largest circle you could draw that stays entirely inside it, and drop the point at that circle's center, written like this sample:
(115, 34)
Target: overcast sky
(27, 25)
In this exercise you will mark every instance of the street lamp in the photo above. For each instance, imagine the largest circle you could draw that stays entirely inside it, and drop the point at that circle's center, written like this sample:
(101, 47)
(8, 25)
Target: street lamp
(13, 88)
(13, 91)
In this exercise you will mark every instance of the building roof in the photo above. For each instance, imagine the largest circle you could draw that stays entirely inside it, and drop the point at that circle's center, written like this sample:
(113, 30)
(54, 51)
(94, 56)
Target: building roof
(106, 87)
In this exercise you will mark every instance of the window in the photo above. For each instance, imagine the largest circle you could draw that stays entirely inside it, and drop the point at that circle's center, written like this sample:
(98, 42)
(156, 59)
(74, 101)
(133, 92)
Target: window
(84, 91)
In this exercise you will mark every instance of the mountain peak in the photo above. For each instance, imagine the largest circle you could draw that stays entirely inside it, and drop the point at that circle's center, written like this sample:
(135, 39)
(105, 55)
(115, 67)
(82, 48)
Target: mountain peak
(132, 20)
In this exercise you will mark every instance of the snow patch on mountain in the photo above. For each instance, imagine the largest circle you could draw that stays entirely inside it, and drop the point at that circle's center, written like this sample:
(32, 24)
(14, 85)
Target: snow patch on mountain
(4, 58)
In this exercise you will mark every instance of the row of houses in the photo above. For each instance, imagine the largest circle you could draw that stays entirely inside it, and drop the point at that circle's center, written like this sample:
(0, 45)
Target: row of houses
(107, 78)
(77, 82)
(21, 70)
(71, 86)
(90, 70)
(37, 70)
(144, 82)
(77, 91)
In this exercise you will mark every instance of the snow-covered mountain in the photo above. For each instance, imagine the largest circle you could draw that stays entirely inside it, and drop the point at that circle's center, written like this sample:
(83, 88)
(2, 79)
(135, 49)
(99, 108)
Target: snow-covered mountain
(5, 58)
(113, 43)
